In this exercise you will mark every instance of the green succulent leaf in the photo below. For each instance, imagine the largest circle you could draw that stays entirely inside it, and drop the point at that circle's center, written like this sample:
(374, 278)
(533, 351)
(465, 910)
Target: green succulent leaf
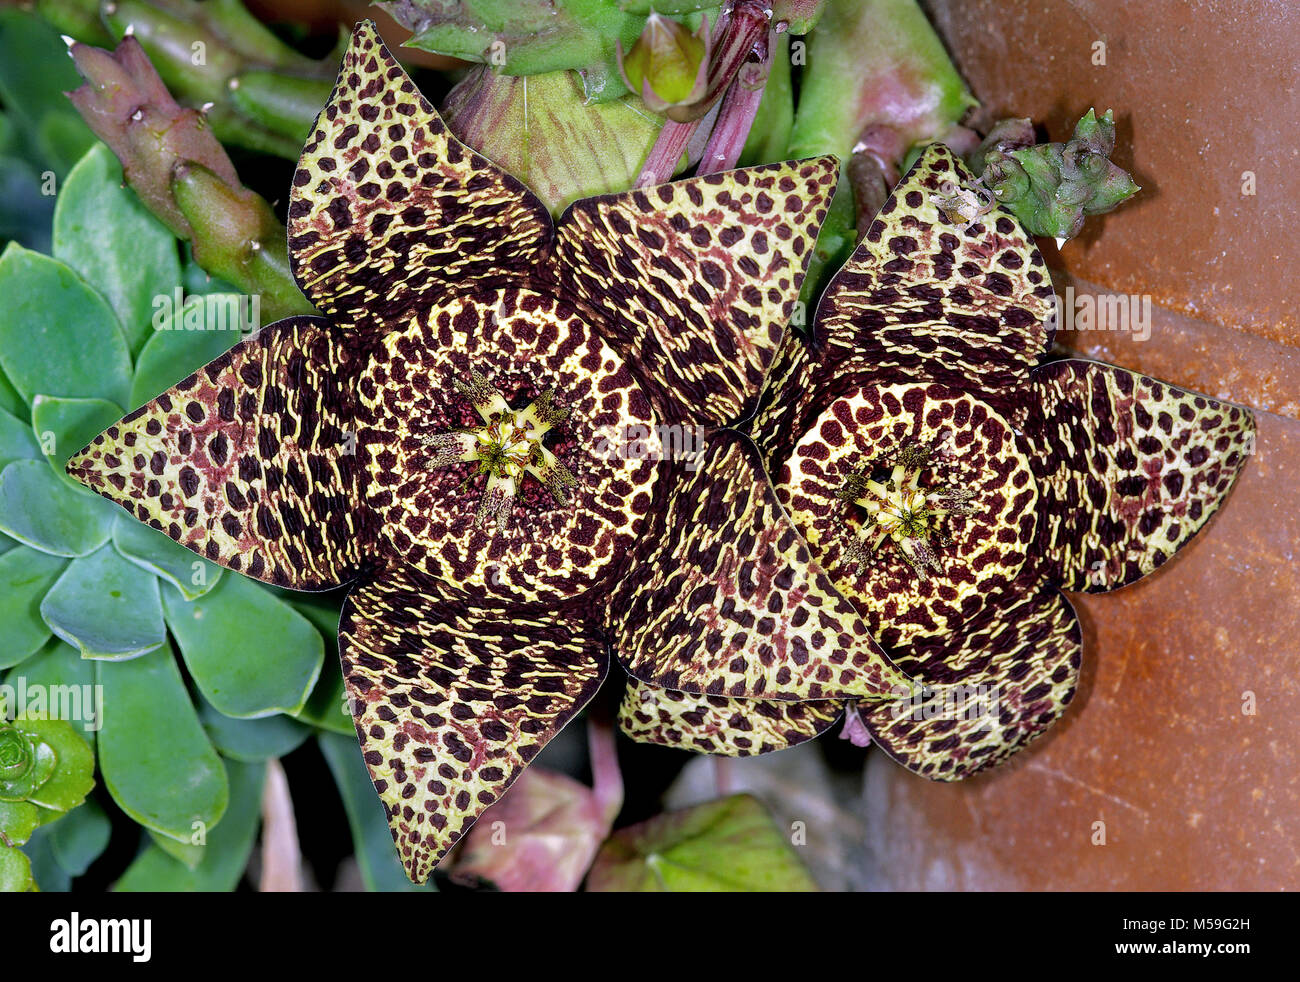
(34, 74)
(173, 352)
(17, 441)
(18, 820)
(64, 426)
(58, 337)
(163, 556)
(530, 37)
(59, 683)
(74, 774)
(250, 653)
(224, 858)
(10, 401)
(381, 870)
(326, 707)
(26, 575)
(155, 759)
(253, 740)
(189, 854)
(40, 509)
(103, 232)
(81, 837)
(106, 607)
(15, 871)
(726, 845)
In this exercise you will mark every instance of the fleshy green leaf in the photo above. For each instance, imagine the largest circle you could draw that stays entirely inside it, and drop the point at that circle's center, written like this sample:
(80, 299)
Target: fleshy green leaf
(64, 426)
(253, 740)
(250, 653)
(16, 440)
(49, 514)
(326, 707)
(381, 870)
(103, 232)
(15, 871)
(26, 575)
(10, 401)
(107, 607)
(81, 837)
(58, 337)
(18, 820)
(74, 769)
(224, 858)
(728, 845)
(155, 759)
(163, 556)
(58, 682)
(174, 352)
(189, 854)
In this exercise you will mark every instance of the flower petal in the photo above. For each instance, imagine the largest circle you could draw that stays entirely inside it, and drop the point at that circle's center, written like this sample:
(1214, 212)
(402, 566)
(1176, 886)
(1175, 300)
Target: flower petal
(990, 689)
(452, 700)
(720, 725)
(921, 297)
(699, 278)
(247, 462)
(386, 202)
(725, 598)
(1130, 469)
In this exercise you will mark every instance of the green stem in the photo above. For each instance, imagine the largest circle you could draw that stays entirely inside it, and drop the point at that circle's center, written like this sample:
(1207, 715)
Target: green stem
(260, 93)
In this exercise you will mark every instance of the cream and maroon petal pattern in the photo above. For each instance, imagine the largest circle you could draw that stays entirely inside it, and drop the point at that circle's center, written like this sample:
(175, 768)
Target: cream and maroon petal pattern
(725, 599)
(698, 278)
(973, 448)
(522, 344)
(1130, 469)
(927, 295)
(719, 724)
(387, 204)
(453, 700)
(989, 689)
(249, 461)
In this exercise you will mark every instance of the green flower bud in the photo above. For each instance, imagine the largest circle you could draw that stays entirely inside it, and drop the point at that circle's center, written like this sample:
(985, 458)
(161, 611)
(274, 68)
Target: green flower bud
(667, 65)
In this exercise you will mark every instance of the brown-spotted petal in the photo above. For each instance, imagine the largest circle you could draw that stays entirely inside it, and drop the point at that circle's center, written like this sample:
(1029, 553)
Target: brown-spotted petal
(504, 446)
(386, 202)
(987, 690)
(719, 724)
(1130, 469)
(698, 278)
(249, 462)
(452, 700)
(946, 285)
(725, 598)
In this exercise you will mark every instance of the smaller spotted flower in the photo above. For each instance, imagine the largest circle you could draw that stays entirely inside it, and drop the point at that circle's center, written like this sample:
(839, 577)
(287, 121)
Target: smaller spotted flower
(952, 482)
(514, 438)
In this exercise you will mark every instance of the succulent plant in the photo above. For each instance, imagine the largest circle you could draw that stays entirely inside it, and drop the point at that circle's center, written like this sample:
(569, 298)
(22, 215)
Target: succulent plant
(46, 771)
(475, 436)
(253, 89)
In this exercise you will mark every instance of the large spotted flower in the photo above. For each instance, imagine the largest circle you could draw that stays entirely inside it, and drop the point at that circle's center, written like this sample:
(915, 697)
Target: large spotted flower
(952, 483)
(492, 419)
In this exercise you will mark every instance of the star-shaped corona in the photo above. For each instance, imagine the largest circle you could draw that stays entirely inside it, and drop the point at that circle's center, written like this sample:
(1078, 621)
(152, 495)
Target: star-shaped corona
(471, 434)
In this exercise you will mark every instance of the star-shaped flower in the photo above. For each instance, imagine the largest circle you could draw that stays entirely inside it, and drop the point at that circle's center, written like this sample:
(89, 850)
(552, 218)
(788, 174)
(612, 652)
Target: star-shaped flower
(952, 483)
(495, 413)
